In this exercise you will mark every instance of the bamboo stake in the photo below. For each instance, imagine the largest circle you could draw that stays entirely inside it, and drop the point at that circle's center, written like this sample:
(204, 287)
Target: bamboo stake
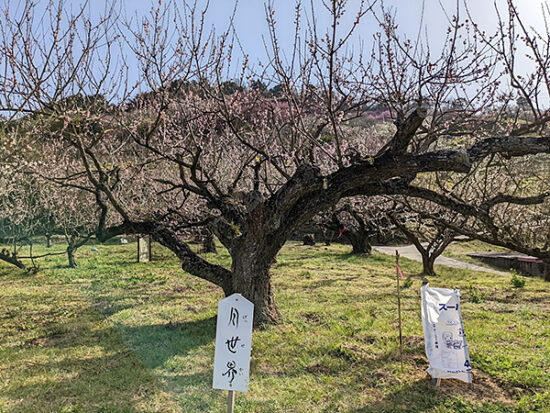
(399, 307)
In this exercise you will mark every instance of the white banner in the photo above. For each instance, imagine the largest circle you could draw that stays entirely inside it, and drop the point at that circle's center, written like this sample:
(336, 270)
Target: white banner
(233, 343)
(444, 336)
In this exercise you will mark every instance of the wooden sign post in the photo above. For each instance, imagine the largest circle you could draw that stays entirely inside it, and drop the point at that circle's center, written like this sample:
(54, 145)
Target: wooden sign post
(230, 401)
(233, 346)
(144, 248)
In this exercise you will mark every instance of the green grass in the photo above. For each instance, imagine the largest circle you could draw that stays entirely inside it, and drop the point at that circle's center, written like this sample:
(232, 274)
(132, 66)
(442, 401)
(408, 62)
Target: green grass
(117, 336)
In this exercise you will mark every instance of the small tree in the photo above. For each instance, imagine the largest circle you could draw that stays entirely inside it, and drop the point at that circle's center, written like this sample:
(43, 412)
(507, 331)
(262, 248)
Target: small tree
(429, 238)
(361, 221)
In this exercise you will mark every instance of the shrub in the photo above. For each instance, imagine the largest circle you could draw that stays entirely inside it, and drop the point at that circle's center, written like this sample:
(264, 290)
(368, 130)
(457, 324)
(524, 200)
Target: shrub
(517, 282)
(475, 294)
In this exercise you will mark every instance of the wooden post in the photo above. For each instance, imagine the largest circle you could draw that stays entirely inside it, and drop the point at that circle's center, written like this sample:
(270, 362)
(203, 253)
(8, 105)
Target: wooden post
(399, 307)
(144, 248)
(230, 401)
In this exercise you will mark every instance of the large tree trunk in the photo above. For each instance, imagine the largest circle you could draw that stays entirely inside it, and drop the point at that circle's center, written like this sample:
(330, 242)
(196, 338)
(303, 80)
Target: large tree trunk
(359, 242)
(327, 236)
(252, 253)
(48, 241)
(428, 263)
(251, 278)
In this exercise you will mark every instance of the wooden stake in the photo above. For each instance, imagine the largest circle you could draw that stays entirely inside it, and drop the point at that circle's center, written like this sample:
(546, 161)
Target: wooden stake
(230, 401)
(399, 308)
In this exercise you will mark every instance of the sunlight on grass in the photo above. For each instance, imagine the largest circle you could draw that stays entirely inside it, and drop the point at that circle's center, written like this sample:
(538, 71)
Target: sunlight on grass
(117, 336)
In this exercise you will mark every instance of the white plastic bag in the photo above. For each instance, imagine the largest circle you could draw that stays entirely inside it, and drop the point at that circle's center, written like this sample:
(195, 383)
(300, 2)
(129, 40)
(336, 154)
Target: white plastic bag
(444, 335)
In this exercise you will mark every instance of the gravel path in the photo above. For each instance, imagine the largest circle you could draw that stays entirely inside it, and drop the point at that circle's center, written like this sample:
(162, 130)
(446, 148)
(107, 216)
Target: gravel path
(410, 252)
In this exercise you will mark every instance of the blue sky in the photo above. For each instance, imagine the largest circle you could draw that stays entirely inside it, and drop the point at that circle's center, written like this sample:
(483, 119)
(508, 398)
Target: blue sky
(252, 29)
(250, 17)
(433, 14)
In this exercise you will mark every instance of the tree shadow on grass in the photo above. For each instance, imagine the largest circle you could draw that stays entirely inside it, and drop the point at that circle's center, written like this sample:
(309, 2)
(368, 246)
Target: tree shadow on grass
(117, 382)
(173, 350)
(82, 365)
(108, 308)
(78, 366)
(158, 343)
(419, 396)
(154, 344)
(362, 373)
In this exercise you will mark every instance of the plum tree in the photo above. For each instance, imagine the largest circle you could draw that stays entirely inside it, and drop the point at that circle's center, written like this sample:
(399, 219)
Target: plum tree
(250, 165)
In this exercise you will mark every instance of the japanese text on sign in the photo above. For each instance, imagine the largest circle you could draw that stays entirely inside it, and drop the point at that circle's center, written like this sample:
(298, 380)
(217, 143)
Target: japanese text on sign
(233, 344)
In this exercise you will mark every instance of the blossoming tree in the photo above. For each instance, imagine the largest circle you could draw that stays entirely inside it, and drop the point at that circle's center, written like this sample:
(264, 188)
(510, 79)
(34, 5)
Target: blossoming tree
(255, 166)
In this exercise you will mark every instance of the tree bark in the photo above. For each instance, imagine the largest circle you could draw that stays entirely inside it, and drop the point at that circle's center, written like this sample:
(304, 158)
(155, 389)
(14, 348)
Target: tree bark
(327, 236)
(208, 244)
(71, 257)
(190, 261)
(251, 278)
(309, 239)
(48, 241)
(546, 270)
(73, 244)
(12, 259)
(359, 242)
(428, 263)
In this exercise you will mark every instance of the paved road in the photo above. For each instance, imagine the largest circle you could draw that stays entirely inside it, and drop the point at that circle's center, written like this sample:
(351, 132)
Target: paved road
(410, 252)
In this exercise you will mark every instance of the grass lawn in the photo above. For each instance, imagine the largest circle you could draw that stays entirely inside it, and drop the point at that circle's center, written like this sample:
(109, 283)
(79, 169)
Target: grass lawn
(117, 336)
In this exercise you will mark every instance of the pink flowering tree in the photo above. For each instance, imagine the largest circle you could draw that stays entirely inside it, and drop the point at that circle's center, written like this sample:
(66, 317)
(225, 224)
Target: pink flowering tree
(18, 220)
(504, 203)
(430, 237)
(73, 215)
(31, 206)
(21, 196)
(359, 221)
(254, 166)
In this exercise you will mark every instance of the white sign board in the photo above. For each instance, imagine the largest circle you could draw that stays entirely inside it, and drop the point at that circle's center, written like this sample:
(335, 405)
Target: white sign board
(233, 344)
(444, 335)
